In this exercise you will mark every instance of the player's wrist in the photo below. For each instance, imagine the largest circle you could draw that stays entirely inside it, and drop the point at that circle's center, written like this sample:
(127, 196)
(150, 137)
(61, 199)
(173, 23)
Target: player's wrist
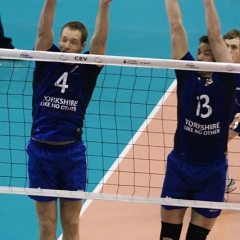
(104, 4)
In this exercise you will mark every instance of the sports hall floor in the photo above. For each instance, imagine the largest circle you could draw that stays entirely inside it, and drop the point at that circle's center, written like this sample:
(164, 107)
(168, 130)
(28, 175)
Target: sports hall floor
(138, 28)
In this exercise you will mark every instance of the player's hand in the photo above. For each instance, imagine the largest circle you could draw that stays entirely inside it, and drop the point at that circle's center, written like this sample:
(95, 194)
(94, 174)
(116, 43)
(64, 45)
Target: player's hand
(105, 1)
(235, 121)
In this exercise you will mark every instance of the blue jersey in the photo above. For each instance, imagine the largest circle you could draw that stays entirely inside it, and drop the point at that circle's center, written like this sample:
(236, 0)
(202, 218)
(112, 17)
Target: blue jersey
(204, 113)
(61, 94)
(237, 105)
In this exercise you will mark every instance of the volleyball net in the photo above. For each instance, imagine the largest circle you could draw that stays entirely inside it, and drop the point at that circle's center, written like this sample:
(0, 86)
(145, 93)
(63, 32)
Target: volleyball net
(128, 129)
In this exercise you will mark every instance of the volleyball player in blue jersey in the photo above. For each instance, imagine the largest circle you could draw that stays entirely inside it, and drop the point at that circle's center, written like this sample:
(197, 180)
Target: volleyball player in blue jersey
(232, 39)
(196, 168)
(5, 42)
(61, 94)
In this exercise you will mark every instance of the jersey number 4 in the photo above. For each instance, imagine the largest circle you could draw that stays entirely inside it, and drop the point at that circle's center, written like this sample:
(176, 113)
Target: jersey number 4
(62, 82)
(204, 105)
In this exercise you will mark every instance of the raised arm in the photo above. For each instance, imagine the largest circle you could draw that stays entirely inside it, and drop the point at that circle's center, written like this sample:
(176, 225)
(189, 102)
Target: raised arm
(178, 33)
(45, 35)
(99, 39)
(218, 45)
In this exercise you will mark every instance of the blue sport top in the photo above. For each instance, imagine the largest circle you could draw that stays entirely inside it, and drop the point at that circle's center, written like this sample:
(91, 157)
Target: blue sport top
(204, 113)
(61, 94)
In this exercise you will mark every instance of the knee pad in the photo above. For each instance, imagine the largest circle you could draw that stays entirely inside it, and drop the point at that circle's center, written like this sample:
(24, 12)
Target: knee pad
(172, 231)
(196, 232)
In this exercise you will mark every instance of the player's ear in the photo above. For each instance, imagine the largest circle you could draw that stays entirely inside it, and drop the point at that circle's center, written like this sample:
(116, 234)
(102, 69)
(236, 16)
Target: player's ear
(83, 45)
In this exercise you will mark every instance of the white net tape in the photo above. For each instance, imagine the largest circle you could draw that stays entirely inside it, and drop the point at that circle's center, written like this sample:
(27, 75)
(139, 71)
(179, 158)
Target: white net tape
(118, 61)
(121, 198)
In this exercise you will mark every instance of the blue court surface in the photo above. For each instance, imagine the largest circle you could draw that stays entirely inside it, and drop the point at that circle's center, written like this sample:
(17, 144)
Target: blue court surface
(138, 28)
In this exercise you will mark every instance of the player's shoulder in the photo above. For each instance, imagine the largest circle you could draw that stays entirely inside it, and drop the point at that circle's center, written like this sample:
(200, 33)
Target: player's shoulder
(53, 48)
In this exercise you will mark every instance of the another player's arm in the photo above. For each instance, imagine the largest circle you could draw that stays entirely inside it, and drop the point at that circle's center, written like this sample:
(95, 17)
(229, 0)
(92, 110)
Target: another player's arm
(45, 34)
(178, 34)
(99, 39)
(235, 123)
(218, 45)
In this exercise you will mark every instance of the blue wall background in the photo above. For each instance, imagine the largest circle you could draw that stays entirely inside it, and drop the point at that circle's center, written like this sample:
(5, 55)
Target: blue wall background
(137, 28)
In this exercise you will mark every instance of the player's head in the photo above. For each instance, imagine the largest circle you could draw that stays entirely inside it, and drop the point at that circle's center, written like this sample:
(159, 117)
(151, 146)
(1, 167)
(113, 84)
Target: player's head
(204, 50)
(73, 37)
(232, 39)
(204, 54)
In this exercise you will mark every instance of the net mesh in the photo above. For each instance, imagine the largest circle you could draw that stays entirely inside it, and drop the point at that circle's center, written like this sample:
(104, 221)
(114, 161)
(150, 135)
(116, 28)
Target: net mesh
(129, 127)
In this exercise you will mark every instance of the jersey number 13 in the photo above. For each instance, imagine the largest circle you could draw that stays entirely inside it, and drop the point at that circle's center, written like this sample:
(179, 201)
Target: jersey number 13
(205, 106)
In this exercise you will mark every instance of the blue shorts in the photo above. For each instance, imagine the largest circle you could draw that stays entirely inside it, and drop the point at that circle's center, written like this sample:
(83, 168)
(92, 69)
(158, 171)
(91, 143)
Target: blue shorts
(57, 167)
(194, 182)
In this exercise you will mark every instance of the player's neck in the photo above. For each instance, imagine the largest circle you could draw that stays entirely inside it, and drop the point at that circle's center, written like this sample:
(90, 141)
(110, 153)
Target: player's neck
(205, 74)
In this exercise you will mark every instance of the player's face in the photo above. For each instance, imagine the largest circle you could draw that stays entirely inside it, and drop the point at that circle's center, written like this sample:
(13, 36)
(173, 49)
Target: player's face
(70, 41)
(234, 48)
(204, 53)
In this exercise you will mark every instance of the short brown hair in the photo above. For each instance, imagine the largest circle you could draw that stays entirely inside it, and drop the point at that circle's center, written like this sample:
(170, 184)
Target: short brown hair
(234, 33)
(75, 25)
(203, 39)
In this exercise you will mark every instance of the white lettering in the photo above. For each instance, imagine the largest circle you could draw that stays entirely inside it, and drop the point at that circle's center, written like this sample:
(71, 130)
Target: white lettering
(205, 129)
(59, 103)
